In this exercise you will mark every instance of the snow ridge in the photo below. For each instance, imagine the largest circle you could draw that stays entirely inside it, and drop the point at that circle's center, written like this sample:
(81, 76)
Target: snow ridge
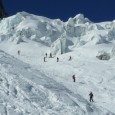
(77, 31)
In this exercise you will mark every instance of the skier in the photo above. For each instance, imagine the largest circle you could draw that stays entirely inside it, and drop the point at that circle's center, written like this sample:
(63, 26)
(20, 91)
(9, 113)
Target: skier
(57, 59)
(91, 97)
(50, 55)
(13, 28)
(46, 55)
(69, 58)
(18, 52)
(73, 78)
(44, 59)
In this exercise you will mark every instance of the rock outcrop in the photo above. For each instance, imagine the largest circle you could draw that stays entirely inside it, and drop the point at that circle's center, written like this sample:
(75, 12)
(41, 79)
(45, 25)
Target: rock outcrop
(2, 10)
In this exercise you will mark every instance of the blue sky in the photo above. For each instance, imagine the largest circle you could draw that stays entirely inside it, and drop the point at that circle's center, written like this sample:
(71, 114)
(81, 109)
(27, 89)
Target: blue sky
(95, 10)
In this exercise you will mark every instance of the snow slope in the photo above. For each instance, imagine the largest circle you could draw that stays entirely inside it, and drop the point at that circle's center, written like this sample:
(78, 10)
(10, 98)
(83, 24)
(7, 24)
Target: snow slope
(25, 90)
(29, 86)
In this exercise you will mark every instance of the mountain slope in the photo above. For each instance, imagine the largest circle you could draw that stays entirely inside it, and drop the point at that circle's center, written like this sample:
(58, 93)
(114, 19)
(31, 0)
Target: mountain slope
(30, 86)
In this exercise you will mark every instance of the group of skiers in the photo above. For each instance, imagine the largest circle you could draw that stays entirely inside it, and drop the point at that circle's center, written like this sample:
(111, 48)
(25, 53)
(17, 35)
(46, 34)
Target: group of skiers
(50, 56)
(90, 94)
(73, 76)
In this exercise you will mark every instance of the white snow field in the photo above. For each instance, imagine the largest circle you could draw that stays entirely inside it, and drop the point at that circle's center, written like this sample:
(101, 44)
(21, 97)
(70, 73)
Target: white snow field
(30, 86)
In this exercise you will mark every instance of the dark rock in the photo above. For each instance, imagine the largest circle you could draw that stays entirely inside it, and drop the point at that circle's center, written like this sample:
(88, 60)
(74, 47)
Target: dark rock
(2, 10)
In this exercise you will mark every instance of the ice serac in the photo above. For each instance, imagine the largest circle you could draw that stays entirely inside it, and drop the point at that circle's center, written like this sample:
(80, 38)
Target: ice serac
(76, 32)
(2, 10)
(32, 27)
(60, 45)
(78, 19)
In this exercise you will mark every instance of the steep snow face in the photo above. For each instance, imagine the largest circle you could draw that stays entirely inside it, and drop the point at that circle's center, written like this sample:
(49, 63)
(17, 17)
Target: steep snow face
(24, 25)
(76, 32)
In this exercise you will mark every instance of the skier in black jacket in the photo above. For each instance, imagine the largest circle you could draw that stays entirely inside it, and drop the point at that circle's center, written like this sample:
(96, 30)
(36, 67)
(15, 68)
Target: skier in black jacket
(91, 97)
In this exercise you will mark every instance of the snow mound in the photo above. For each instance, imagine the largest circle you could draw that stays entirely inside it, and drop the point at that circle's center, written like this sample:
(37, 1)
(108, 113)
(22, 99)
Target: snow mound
(102, 55)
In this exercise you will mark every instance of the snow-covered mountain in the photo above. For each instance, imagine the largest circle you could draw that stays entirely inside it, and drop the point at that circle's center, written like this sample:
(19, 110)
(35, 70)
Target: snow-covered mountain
(75, 32)
(30, 86)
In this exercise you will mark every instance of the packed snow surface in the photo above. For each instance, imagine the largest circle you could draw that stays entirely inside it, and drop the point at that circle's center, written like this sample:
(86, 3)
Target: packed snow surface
(30, 86)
